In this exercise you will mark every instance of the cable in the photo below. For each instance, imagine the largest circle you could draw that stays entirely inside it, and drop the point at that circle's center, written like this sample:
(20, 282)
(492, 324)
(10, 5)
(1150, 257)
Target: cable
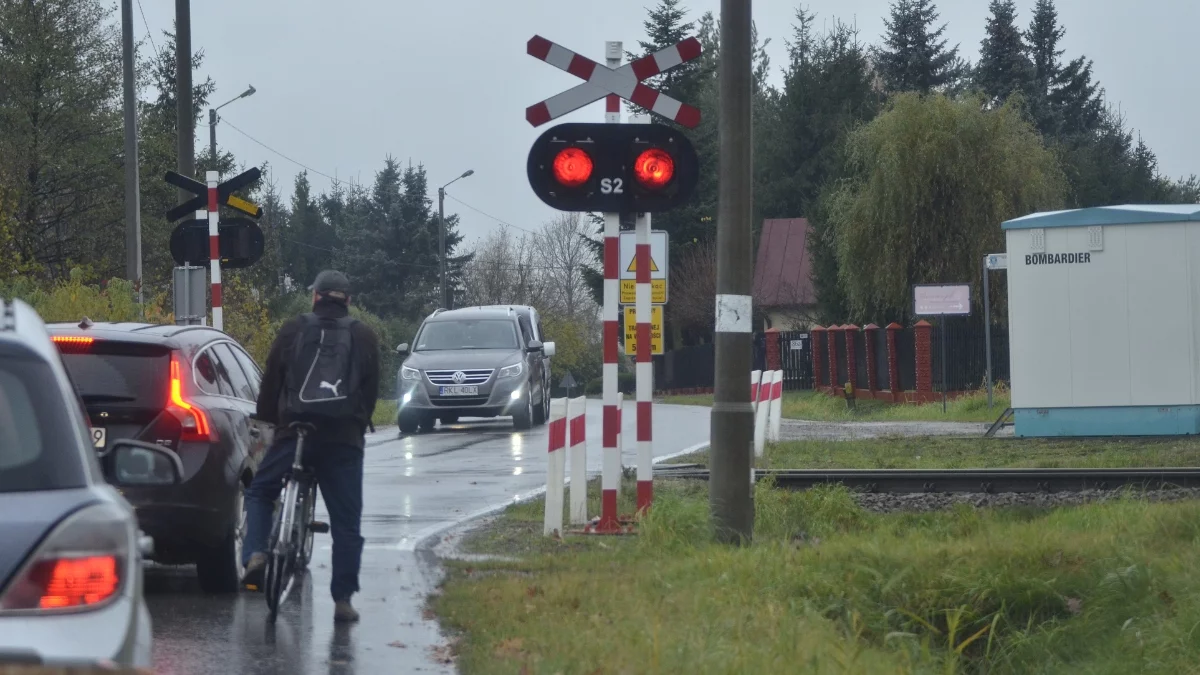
(485, 265)
(299, 164)
(484, 213)
(149, 33)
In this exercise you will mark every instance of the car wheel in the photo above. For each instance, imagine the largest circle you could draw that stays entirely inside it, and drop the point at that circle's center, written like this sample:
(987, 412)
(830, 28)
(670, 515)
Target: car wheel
(541, 410)
(523, 416)
(219, 569)
(427, 423)
(408, 424)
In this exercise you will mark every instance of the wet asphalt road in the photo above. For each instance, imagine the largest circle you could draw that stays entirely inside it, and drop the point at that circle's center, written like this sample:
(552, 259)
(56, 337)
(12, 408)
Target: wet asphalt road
(414, 487)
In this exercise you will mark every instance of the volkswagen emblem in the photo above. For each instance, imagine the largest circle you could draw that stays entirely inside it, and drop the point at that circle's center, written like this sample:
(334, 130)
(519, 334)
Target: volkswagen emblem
(459, 377)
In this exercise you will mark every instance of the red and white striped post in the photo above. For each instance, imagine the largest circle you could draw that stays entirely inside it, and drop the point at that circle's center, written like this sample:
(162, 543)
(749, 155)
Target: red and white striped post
(214, 249)
(620, 440)
(577, 428)
(762, 408)
(645, 368)
(776, 405)
(556, 468)
(610, 477)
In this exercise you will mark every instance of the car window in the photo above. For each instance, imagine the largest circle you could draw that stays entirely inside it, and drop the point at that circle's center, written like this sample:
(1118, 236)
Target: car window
(253, 374)
(37, 450)
(214, 373)
(120, 374)
(526, 330)
(467, 334)
(237, 377)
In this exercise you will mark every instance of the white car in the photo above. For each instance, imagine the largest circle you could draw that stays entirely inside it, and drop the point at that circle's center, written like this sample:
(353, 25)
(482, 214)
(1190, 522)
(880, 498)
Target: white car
(71, 559)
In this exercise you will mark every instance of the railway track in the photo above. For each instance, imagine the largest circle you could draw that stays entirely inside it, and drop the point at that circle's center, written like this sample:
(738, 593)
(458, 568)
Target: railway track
(993, 481)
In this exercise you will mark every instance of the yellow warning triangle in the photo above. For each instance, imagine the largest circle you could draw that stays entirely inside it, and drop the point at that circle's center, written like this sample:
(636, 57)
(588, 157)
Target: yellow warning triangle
(633, 265)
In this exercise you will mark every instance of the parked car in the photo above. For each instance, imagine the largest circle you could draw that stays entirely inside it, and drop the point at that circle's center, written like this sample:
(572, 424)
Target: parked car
(71, 558)
(191, 389)
(474, 362)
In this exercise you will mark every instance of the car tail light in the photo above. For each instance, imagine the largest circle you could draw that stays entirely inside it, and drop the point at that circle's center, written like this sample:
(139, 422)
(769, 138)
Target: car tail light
(80, 565)
(73, 344)
(192, 418)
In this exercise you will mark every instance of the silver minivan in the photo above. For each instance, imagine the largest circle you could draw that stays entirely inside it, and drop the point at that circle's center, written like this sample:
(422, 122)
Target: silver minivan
(71, 559)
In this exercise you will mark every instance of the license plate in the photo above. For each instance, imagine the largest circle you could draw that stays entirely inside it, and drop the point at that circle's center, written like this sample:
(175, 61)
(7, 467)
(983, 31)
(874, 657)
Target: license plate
(99, 436)
(463, 390)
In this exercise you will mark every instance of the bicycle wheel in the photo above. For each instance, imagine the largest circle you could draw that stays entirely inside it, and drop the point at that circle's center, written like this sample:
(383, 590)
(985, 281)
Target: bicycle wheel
(281, 554)
(309, 512)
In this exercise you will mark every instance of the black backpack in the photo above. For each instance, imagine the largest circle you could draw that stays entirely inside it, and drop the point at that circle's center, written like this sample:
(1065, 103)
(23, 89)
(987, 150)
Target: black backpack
(323, 381)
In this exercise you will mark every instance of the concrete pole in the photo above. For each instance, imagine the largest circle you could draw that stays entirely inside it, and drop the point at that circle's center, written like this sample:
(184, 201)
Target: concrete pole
(730, 498)
(186, 161)
(133, 206)
(442, 247)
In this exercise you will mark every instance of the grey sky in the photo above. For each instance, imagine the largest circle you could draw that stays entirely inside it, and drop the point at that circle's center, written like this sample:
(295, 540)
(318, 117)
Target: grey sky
(446, 82)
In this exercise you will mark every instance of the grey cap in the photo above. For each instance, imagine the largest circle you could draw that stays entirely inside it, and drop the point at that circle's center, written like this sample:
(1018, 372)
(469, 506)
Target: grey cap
(331, 283)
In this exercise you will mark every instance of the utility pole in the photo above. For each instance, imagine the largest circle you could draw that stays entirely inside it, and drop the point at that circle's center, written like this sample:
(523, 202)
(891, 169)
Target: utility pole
(730, 499)
(133, 206)
(186, 163)
(442, 246)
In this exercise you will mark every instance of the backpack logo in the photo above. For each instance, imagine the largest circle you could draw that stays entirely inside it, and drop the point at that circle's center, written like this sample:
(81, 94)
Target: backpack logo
(331, 387)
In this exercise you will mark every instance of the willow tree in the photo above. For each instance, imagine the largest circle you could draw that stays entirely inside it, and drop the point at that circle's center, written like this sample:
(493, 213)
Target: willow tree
(931, 179)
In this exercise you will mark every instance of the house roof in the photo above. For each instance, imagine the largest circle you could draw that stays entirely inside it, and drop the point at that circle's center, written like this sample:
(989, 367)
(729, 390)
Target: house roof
(1125, 214)
(783, 268)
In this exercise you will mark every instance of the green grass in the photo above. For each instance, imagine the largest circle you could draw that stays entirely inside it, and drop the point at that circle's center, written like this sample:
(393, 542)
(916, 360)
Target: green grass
(955, 452)
(827, 587)
(385, 413)
(814, 406)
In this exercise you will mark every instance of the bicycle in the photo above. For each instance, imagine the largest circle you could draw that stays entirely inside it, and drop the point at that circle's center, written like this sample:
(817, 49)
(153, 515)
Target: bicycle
(289, 547)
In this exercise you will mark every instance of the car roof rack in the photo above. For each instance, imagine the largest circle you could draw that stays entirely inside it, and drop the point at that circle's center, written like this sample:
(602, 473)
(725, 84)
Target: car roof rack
(437, 311)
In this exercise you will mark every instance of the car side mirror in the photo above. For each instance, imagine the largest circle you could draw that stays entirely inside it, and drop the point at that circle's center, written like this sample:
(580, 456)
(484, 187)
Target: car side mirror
(138, 463)
(402, 348)
(549, 349)
(534, 346)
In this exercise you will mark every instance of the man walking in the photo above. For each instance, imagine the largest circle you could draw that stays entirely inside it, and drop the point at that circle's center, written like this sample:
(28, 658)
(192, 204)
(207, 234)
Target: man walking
(323, 369)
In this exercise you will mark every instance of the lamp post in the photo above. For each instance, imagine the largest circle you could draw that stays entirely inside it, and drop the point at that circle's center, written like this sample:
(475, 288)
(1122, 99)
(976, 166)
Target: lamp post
(212, 123)
(446, 296)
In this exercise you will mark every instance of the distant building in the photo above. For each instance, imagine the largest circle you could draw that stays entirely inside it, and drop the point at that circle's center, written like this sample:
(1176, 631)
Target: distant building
(783, 289)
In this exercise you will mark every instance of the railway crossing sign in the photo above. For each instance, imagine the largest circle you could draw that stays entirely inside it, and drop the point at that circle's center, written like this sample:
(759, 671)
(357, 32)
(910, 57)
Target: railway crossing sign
(224, 194)
(600, 81)
(660, 264)
(656, 330)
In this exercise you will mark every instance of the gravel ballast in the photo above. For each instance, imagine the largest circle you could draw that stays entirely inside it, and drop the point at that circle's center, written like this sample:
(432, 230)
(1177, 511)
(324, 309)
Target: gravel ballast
(923, 503)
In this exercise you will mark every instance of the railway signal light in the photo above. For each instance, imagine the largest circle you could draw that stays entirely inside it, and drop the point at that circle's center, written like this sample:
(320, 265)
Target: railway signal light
(621, 168)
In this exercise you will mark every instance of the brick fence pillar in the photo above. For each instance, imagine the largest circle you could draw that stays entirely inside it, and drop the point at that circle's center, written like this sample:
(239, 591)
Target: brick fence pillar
(870, 333)
(897, 389)
(818, 359)
(851, 332)
(924, 349)
(833, 359)
(774, 360)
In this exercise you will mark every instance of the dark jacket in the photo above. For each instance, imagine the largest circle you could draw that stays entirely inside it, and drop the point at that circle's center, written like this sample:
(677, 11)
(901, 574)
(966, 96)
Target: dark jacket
(272, 395)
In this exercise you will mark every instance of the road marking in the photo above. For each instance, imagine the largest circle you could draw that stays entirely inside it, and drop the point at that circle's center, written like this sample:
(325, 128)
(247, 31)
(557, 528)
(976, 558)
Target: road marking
(411, 543)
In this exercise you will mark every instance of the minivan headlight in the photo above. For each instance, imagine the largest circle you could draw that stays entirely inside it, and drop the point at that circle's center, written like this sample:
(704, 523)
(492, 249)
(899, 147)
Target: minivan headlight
(407, 373)
(512, 371)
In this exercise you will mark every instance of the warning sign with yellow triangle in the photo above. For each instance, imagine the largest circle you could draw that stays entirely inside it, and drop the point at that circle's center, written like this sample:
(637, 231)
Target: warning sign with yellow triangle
(633, 265)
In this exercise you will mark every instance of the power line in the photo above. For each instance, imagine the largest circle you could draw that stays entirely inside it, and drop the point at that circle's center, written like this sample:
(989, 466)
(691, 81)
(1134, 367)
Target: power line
(481, 264)
(484, 213)
(149, 33)
(297, 163)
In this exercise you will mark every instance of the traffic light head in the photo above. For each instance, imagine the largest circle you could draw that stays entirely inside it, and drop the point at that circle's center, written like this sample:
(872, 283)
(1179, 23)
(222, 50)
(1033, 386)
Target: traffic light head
(621, 168)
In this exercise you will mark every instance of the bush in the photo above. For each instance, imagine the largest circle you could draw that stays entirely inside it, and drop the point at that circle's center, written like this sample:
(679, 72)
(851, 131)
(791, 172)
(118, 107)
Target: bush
(626, 384)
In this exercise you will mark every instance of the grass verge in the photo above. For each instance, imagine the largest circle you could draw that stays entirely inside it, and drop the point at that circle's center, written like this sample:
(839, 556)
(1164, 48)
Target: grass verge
(827, 587)
(958, 452)
(385, 413)
(808, 405)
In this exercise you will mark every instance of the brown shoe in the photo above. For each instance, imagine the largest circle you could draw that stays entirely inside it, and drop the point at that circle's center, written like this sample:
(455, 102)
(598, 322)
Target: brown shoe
(343, 612)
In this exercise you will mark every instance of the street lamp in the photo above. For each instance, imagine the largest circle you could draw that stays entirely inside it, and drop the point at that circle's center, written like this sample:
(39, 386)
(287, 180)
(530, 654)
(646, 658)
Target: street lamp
(447, 299)
(212, 123)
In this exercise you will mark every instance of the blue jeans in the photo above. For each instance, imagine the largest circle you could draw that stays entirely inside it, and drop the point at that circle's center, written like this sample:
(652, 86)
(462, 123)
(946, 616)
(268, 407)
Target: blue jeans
(339, 472)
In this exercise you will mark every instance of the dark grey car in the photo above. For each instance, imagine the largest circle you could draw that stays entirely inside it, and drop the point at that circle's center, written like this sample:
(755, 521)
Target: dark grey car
(474, 362)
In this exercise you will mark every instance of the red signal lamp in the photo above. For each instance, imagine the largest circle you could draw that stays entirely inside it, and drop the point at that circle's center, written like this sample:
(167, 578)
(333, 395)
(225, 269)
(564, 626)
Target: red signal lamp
(572, 167)
(654, 168)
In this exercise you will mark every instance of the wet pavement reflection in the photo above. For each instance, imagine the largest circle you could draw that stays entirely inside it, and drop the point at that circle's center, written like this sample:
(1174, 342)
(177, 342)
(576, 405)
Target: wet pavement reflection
(414, 487)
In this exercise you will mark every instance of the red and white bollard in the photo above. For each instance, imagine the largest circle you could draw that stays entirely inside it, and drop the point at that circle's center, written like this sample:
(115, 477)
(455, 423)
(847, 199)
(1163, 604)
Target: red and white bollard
(776, 405)
(556, 468)
(577, 438)
(762, 408)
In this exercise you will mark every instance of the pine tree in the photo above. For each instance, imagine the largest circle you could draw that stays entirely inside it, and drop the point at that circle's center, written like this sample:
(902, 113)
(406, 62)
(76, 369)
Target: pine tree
(308, 241)
(1004, 68)
(914, 56)
(1064, 99)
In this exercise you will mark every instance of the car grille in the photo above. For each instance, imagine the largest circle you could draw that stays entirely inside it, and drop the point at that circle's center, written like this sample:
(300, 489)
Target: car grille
(457, 401)
(445, 378)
